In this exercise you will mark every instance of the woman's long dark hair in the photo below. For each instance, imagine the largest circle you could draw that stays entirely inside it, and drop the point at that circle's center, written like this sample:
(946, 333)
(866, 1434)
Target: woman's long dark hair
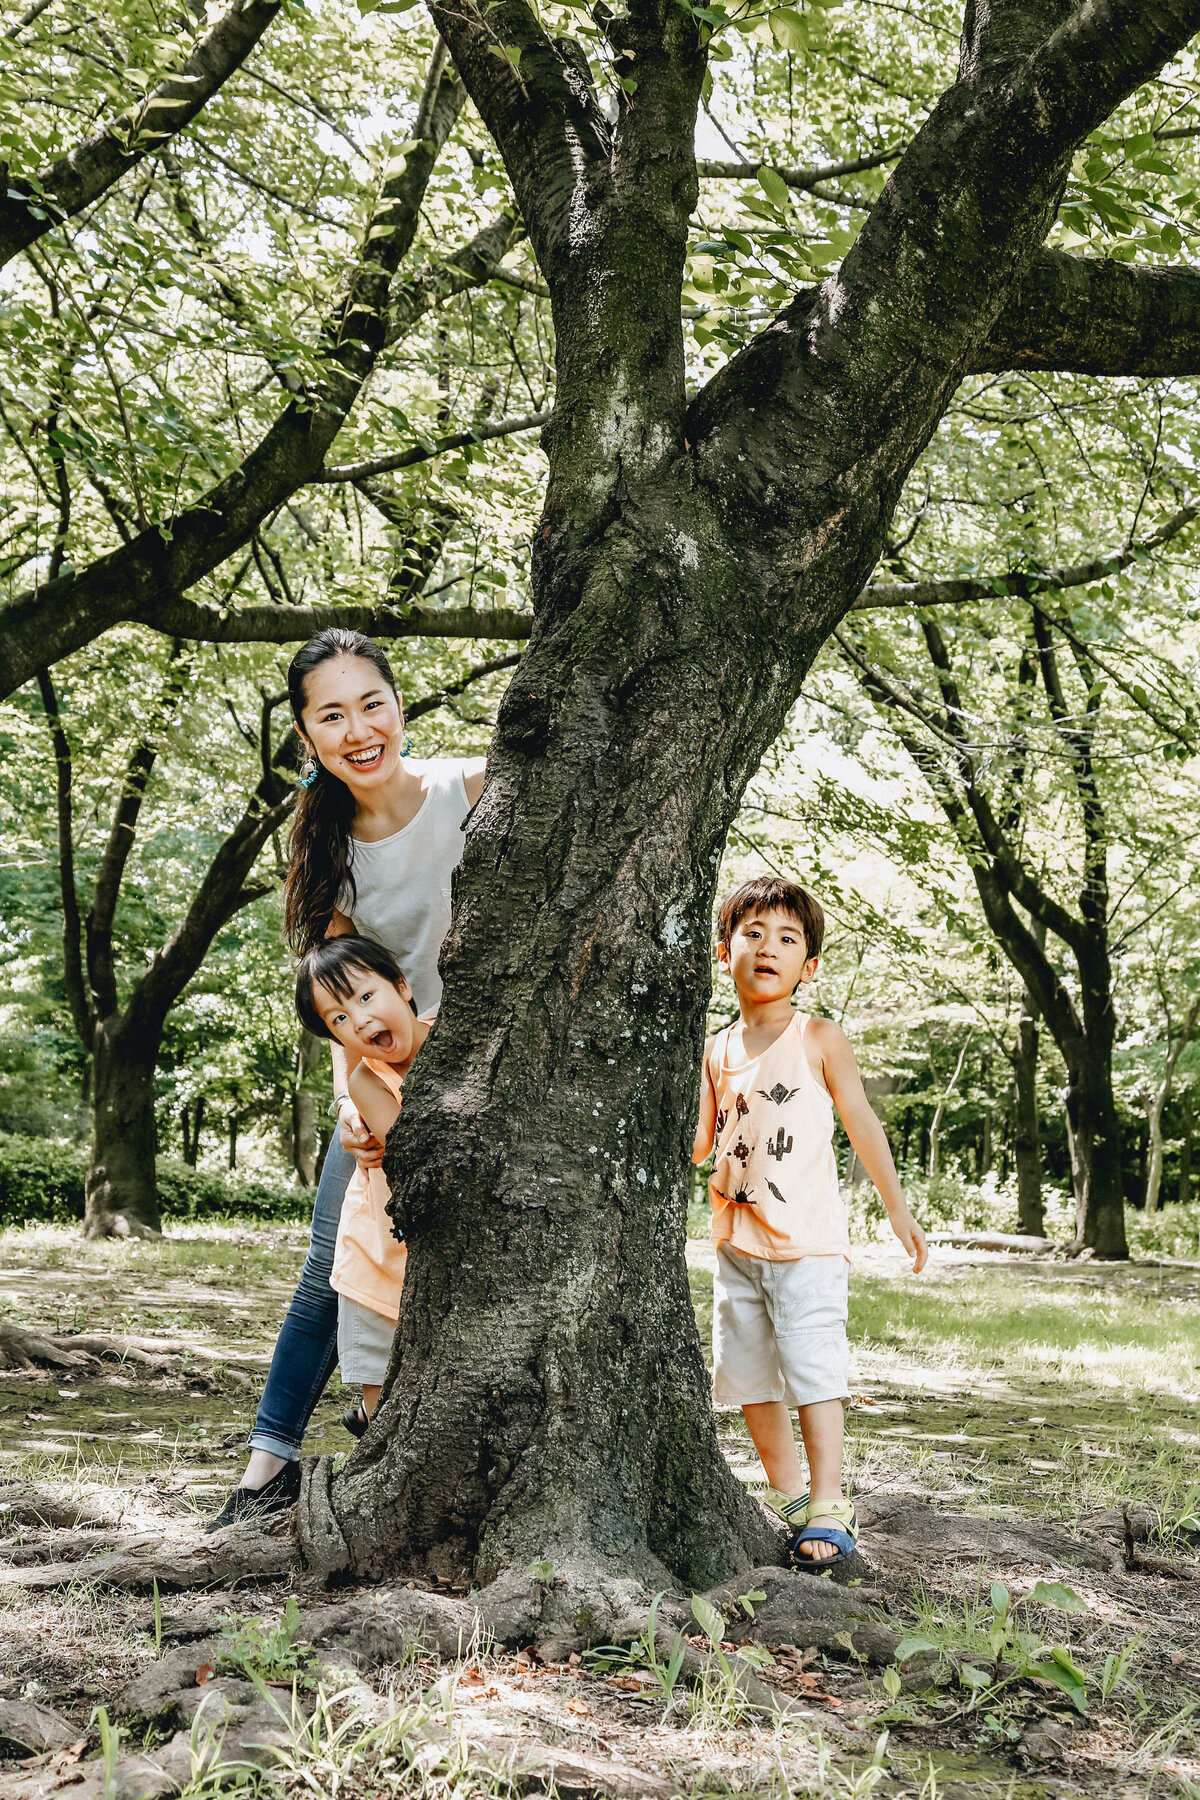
(319, 877)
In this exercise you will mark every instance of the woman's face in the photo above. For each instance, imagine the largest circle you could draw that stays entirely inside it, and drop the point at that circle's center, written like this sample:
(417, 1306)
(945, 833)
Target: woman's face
(352, 723)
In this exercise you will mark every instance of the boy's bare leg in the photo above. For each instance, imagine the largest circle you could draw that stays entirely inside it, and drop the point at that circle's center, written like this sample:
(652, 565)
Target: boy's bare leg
(822, 1426)
(770, 1427)
(370, 1399)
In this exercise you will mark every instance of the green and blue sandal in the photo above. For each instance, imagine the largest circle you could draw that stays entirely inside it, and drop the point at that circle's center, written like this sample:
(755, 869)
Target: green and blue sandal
(792, 1509)
(844, 1541)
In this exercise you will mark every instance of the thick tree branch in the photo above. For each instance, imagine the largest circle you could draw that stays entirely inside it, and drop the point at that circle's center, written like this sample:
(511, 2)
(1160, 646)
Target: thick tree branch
(537, 100)
(1092, 316)
(852, 377)
(1023, 583)
(32, 208)
(186, 618)
(72, 930)
(419, 453)
(134, 581)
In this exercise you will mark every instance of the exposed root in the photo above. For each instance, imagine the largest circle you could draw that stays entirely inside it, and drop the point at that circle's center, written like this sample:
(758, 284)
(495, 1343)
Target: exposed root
(254, 1552)
(30, 1350)
(29, 1508)
(322, 1545)
(906, 1534)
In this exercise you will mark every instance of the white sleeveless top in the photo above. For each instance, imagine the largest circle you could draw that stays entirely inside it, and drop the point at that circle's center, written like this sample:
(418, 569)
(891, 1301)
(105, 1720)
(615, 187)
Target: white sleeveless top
(402, 882)
(774, 1184)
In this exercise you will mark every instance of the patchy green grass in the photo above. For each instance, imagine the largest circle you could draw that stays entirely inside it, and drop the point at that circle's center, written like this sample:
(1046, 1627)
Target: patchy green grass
(991, 1382)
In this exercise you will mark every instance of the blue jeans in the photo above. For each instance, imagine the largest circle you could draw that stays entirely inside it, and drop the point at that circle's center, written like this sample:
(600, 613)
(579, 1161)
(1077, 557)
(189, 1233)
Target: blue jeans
(306, 1348)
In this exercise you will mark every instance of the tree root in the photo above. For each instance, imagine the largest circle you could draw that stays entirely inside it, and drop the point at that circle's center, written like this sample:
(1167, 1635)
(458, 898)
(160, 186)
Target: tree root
(31, 1509)
(907, 1534)
(28, 1350)
(253, 1552)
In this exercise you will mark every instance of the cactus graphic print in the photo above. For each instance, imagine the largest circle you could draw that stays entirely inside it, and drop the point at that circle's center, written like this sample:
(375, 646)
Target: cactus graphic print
(774, 1185)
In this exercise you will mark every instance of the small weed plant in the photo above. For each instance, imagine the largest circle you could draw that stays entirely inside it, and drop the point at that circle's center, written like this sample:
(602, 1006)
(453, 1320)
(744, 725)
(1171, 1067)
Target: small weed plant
(263, 1651)
(1017, 1652)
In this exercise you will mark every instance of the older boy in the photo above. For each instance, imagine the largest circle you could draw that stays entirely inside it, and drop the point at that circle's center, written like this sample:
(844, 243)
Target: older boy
(771, 1082)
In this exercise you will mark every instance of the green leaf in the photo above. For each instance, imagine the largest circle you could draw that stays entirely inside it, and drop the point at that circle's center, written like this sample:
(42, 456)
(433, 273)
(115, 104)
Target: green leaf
(773, 186)
(1001, 1599)
(1062, 1673)
(788, 29)
(710, 1621)
(971, 1677)
(912, 1646)
(1053, 1593)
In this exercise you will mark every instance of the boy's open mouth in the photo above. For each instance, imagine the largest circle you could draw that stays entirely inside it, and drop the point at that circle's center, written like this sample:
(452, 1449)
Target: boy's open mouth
(383, 1040)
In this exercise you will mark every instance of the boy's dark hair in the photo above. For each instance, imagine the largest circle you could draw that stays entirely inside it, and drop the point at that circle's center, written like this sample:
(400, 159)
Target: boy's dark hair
(331, 964)
(771, 894)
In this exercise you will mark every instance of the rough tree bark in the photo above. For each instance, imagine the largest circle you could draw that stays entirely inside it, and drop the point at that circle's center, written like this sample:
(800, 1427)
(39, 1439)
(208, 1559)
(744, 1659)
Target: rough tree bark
(547, 1397)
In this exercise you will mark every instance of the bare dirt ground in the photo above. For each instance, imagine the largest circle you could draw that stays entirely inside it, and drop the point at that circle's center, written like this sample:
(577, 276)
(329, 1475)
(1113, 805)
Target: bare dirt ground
(1015, 1426)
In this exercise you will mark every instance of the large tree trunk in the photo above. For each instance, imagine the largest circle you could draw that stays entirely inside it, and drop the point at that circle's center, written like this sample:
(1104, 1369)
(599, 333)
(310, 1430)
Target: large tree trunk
(549, 1399)
(1027, 1149)
(121, 1190)
(1095, 1134)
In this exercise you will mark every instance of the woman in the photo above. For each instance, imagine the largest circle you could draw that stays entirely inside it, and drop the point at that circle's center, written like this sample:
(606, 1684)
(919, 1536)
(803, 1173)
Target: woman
(375, 841)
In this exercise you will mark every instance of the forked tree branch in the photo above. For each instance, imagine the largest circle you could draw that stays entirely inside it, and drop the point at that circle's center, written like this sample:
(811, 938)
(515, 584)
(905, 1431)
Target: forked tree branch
(31, 208)
(101, 965)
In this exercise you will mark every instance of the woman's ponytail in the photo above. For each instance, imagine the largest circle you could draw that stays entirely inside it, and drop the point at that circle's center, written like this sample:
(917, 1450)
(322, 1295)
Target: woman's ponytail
(320, 879)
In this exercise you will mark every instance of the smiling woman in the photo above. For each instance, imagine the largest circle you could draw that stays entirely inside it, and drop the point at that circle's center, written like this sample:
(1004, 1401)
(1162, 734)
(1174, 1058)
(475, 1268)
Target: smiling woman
(376, 839)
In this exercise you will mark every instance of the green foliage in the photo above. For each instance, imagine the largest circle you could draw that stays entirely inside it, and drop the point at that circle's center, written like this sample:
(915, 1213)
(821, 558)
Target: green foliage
(43, 1182)
(264, 1650)
(1017, 1651)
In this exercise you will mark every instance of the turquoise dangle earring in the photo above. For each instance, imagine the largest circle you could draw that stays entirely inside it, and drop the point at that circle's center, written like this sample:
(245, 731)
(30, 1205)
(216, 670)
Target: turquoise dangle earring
(310, 771)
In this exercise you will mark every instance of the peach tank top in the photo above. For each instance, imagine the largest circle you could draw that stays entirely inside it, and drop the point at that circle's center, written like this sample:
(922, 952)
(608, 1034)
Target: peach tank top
(368, 1264)
(774, 1182)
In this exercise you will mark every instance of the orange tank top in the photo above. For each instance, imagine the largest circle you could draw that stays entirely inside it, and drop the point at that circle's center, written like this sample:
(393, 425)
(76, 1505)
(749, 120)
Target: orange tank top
(368, 1264)
(774, 1182)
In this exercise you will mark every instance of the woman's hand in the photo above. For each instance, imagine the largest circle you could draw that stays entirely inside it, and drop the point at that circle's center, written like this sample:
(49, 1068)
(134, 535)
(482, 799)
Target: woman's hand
(355, 1139)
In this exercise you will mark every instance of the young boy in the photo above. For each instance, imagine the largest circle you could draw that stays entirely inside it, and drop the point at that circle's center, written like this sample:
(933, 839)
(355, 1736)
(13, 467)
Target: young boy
(771, 1082)
(351, 989)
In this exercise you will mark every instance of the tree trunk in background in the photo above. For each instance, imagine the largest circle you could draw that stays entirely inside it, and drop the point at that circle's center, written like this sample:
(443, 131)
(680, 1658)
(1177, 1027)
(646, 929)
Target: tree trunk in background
(231, 1124)
(1187, 1123)
(121, 1193)
(300, 1117)
(1027, 1150)
(1095, 1135)
(191, 1138)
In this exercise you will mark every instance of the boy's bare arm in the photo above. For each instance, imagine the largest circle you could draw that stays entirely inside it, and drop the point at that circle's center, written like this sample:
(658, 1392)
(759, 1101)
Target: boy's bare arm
(866, 1134)
(377, 1105)
(706, 1129)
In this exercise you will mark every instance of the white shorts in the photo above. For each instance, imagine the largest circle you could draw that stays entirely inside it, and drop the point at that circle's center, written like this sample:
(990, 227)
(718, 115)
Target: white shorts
(364, 1342)
(779, 1330)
